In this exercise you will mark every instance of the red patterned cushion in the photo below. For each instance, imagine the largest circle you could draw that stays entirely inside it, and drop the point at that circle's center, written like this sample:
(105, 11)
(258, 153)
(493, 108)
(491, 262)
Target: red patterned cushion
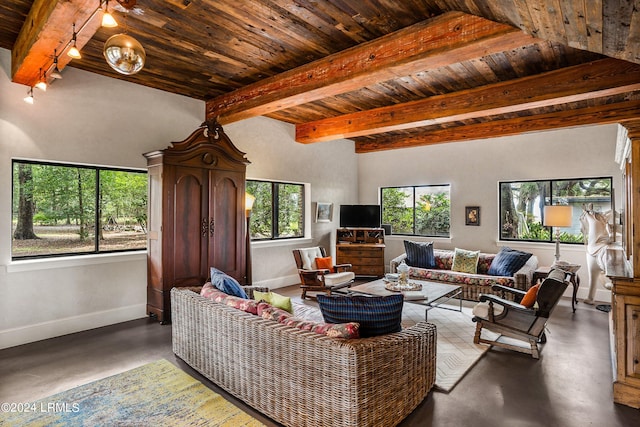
(211, 292)
(248, 305)
(349, 330)
(269, 312)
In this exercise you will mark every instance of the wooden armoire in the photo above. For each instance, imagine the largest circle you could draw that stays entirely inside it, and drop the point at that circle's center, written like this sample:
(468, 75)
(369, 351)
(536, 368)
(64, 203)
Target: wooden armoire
(196, 216)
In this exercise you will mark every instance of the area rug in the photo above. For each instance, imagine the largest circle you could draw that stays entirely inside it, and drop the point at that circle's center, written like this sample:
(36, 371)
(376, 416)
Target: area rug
(156, 394)
(456, 353)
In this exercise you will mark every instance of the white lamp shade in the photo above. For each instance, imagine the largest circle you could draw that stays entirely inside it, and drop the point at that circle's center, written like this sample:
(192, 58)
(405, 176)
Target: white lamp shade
(558, 216)
(248, 201)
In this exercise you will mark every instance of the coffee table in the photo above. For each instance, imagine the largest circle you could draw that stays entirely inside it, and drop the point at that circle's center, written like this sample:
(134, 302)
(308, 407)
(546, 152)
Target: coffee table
(432, 295)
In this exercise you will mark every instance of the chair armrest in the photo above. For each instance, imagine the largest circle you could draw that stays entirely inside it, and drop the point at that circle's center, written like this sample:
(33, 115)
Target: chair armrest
(394, 263)
(513, 291)
(343, 267)
(505, 303)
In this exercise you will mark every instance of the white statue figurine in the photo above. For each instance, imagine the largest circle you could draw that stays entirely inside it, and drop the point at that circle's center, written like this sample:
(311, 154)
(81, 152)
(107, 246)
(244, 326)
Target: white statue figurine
(599, 235)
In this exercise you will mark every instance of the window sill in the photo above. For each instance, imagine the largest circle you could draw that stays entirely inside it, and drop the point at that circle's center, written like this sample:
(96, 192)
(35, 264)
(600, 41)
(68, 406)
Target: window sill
(276, 243)
(74, 261)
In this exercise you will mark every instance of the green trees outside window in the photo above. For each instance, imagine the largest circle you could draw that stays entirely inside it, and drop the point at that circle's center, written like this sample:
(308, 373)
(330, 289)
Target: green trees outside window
(423, 210)
(522, 206)
(76, 209)
(278, 211)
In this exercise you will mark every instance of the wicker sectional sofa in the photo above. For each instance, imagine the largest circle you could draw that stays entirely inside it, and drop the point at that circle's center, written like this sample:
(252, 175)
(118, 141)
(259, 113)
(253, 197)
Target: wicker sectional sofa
(299, 378)
(472, 284)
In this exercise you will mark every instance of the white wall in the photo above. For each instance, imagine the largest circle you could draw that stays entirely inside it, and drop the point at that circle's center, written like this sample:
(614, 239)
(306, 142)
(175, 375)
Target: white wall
(474, 169)
(92, 119)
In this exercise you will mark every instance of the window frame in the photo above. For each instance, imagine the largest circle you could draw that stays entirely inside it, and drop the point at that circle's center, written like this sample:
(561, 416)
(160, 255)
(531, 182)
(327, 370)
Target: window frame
(413, 187)
(550, 182)
(96, 206)
(275, 211)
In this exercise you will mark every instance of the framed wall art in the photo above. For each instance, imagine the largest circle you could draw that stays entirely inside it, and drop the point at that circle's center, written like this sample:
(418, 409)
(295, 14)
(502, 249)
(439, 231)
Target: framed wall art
(324, 212)
(472, 215)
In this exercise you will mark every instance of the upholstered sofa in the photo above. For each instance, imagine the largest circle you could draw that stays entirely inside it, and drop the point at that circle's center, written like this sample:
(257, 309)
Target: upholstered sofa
(473, 284)
(300, 378)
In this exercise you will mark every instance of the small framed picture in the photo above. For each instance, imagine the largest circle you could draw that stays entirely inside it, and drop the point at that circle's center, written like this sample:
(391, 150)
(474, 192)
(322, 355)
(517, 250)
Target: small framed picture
(472, 215)
(324, 212)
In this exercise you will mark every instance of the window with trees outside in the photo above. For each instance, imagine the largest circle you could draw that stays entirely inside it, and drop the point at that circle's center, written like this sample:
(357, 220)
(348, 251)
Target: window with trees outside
(423, 210)
(278, 211)
(522, 206)
(61, 209)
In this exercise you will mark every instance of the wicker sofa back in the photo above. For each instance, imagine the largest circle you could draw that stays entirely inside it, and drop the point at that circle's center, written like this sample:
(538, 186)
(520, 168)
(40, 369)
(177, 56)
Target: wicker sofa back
(300, 378)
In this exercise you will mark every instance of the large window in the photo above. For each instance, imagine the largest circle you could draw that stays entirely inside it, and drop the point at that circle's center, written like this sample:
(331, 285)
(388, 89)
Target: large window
(63, 209)
(522, 206)
(278, 211)
(422, 210)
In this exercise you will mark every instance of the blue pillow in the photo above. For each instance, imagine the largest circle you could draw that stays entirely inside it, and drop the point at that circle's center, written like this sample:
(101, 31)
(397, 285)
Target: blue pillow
(420, 254)
(227, 284)
(376, 315)
(508, 261)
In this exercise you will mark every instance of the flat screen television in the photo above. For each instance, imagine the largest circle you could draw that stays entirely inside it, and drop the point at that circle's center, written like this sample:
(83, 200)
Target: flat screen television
(364, 216)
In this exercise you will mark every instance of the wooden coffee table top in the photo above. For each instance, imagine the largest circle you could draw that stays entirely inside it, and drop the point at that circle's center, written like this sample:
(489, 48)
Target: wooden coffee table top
(431, 291)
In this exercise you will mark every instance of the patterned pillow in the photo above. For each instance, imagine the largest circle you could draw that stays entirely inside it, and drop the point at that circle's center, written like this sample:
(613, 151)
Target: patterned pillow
(376, 315)
(465, 261)
(342, 330)
(211, 292)
(248, 305)
(269, 312)
(226, 283)
(508, 261)
(420, 254)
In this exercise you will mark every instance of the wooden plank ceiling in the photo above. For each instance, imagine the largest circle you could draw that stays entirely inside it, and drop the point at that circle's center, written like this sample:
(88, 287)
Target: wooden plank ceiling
(385, 74)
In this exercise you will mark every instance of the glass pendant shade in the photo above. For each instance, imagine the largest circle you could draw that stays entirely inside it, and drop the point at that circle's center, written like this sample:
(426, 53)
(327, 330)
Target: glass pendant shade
(124, 54)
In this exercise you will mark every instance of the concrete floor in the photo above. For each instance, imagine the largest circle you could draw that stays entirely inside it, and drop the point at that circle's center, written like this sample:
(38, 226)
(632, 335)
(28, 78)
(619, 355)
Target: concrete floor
(569, 386)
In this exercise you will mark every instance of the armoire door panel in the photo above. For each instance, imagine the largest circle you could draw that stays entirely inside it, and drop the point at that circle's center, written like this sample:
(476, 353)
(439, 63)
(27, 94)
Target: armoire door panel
(191, 226)
(226, 247)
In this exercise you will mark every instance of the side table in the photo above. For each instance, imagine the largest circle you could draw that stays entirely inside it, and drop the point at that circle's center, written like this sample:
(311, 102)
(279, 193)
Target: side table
(573, 277)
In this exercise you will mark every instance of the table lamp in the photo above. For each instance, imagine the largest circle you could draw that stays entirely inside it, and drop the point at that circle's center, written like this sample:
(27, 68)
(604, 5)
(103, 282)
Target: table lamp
(558, 216)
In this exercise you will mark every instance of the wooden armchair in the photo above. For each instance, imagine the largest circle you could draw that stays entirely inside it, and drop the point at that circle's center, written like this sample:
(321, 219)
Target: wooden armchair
(513, 320)
(313, 278)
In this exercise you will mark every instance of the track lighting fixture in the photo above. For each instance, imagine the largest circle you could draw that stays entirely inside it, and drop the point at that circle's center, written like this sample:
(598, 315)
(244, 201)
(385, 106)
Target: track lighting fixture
(55, 74)
(107, 19)
(73, 51)
(29, 98)
(42, 83)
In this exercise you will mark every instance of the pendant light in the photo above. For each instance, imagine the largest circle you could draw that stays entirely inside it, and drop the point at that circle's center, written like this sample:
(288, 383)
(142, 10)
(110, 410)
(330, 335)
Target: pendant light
(124, 54)
(29, 98)
(107, 18)
(42, 83)
(74, 52)
(55, 74)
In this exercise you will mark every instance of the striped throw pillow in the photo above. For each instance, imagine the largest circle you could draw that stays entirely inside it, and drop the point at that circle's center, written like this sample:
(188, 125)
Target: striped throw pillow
(376, 315)
(420, 254)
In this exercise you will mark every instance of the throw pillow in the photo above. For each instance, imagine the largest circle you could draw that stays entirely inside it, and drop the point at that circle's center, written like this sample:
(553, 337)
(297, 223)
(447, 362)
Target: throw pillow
(211, 292)
(508, 261)
(342, 330)
(269, 312)
(376, 315)
(325, 263)
(227, 284)
(530, 297)
(465, 261)
(420, 254)
(276, 300)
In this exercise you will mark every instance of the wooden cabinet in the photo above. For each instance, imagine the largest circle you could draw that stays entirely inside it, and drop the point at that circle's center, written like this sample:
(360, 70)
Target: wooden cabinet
(363, 248)
(623, 267)
(196, 215)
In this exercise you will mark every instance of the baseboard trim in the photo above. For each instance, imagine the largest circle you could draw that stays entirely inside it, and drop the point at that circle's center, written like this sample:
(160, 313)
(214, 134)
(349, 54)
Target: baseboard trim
(55, 328)
(279, 282)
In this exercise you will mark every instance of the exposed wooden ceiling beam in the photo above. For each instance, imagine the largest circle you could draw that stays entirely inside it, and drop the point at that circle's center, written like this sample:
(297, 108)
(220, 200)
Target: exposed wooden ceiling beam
(449, 38)
(602, 114)
(49, 26)
(571, 84)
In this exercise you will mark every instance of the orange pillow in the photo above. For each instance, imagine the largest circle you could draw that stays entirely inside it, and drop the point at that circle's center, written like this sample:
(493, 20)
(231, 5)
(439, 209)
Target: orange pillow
(325, 263)
(530, 297)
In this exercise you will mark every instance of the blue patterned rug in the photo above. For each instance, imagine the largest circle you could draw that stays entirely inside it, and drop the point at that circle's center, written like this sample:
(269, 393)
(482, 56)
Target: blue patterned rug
(156, 394)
